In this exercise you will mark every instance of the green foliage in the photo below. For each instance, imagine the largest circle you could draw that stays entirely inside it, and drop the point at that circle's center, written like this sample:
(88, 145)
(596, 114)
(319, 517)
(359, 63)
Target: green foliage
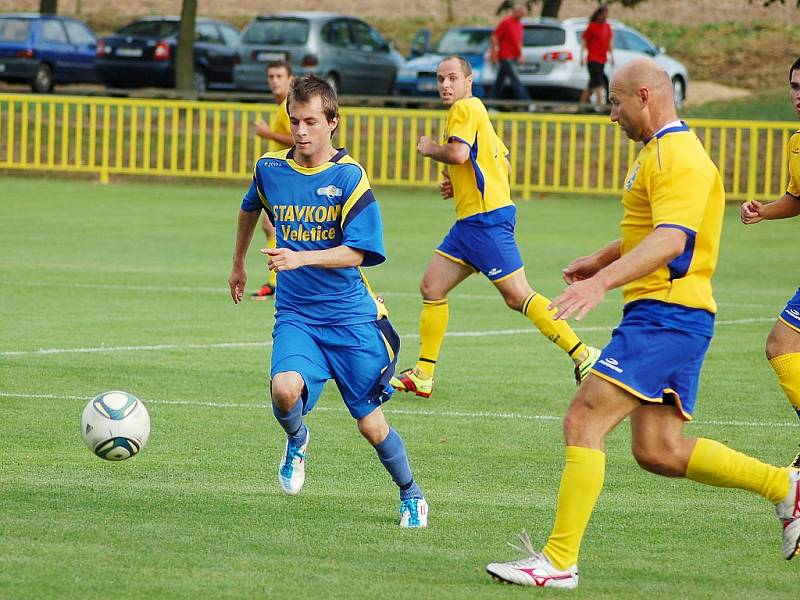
(198, 513)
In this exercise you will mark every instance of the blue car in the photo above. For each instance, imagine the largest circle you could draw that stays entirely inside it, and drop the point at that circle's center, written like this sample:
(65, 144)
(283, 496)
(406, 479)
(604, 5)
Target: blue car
(43, 50)
(417, 76)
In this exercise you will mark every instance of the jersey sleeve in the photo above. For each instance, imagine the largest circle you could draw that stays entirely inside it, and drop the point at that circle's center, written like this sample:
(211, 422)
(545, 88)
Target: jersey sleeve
(362, 228)
(280, 122)
(678, 197)
(255, 198)
(462, 124)
(793, 187)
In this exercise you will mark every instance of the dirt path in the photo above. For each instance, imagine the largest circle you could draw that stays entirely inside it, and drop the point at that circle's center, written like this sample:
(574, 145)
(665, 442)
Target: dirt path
(701, 92)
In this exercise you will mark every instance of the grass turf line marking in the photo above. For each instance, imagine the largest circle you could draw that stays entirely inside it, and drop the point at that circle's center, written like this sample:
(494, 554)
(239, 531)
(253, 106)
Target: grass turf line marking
(465, 334)
(388, 410)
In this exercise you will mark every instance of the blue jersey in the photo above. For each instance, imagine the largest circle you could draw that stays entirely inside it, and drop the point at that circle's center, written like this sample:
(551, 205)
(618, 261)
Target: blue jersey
(316, 209)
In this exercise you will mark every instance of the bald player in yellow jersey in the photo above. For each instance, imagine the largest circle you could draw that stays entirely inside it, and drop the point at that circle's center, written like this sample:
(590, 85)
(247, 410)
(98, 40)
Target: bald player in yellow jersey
(279, 136)
(783, 342)
(673, 203)
(482, 239)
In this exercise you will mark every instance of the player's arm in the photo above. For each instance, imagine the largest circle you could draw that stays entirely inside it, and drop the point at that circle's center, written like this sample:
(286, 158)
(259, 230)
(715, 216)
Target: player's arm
(264, 132)
(784, 207)
(284, 259)
(245, 226)
(656, 250)
(454, 152)
(587, 266)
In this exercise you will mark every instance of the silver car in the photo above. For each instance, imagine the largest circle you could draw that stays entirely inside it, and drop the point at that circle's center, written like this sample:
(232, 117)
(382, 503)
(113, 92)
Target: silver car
(347, 52)
(552, 51)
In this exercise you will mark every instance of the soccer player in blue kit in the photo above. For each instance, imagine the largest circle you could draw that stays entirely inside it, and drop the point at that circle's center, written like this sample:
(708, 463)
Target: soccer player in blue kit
(328, 323)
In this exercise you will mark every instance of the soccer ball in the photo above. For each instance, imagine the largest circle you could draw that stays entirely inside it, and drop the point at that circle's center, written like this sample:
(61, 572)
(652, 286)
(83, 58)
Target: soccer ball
(115, 425)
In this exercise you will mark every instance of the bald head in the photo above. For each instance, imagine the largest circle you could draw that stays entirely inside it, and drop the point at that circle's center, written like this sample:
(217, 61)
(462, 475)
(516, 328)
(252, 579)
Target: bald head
(642, 99)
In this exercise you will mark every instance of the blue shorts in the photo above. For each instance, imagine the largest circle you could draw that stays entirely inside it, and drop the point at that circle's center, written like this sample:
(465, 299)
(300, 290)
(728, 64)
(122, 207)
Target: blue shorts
(490, 249)
(791, 313)
(360, 358)
(654, 362)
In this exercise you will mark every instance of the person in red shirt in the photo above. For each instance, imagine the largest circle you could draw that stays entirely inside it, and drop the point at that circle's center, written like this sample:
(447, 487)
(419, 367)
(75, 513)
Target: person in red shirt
(597, 41)
(506, 51)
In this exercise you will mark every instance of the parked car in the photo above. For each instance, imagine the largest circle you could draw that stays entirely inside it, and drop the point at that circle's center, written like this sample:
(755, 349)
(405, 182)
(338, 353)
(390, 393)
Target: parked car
(142, 53)
(346, 51)
(552, 51)
(417, 76)
(44, 50)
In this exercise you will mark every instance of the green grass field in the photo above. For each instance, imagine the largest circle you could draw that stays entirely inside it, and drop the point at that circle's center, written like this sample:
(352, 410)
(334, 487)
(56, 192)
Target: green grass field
(124, 286)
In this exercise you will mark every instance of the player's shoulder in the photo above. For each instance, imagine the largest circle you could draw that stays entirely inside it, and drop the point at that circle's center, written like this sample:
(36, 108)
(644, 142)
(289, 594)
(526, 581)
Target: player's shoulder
(468, 105)
(794, 139)
(278, 155)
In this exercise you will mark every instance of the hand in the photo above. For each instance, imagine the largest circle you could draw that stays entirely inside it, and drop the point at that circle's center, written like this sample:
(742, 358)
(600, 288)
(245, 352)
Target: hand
(426, 146)
(283, 259)
(579, 298)
(580, 269)
(446, 186)
(750, 212)
(236, 281)
(521, 60)
(263, 130)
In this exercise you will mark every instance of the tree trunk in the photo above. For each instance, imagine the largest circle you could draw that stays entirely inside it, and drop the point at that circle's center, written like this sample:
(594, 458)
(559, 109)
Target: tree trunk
(450, 16)
(550, 8)
(48, 7)
(184, 59)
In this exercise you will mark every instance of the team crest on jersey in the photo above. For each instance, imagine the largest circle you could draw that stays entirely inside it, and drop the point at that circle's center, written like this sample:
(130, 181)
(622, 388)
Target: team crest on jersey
(632, 178)
(331, 191)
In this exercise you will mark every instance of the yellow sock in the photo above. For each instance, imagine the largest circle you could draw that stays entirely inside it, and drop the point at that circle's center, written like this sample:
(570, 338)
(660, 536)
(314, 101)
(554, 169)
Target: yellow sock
(787, 368)
(715, 464)
(432, 327)
(273, 276)
(581, 483)
(559, 332)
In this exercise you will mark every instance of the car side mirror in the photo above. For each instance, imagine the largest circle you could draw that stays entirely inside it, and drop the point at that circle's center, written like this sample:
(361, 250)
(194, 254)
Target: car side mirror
(662, 50)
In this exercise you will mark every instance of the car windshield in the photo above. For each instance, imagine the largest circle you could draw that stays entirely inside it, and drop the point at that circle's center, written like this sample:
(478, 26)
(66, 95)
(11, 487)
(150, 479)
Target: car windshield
(272, 32)
(14, 30)
(461, 41)
(156, 29)
(536, 35)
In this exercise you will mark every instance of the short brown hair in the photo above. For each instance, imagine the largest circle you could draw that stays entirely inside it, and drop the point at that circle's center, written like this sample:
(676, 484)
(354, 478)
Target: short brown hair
(466, 68)
(281, 64)
(303, 89)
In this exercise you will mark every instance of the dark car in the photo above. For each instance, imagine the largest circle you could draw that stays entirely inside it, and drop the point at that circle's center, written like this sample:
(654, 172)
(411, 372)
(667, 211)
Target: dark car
(346, 51)
(142, 54)
(43, 50)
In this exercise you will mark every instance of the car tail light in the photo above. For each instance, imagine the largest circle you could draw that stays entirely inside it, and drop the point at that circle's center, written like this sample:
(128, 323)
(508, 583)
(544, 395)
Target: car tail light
(161, 52)
(558, 56)
(310, 60)
(101, 48)
(25, 54)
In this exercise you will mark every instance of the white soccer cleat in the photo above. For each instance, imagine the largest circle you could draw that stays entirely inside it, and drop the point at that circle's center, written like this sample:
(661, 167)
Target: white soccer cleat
(292, 469)
(414, 513)
(534, 571)
(789, 514)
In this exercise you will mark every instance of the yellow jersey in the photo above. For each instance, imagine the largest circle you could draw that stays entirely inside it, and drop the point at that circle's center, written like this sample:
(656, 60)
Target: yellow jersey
(794, 165)
(279, 124)
(480, 185)
(674, 183)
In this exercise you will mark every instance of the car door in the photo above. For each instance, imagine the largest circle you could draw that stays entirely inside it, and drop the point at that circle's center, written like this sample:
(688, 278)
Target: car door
(211, 52)
(371, 58)
(339, 54)
(54, 48)
(84, 42)
(627, 47)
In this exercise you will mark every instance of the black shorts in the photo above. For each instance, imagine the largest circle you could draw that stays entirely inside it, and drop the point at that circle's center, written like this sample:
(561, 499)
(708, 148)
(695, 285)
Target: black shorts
(597, 75)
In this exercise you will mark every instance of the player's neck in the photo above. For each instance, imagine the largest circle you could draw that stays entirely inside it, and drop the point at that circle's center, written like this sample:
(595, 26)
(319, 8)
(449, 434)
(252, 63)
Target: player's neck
(280, 99)
(317, 159)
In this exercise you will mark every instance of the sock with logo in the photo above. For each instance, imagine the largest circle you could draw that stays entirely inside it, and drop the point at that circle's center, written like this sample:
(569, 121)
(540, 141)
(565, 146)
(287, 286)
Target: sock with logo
(272, 275)
(715, 464)
(581, 484)
(559, 332)
(432, 327)
(787, 368)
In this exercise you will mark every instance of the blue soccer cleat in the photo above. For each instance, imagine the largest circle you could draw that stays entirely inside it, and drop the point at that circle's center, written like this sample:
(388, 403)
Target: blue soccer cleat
(292, 468)
(414, 513)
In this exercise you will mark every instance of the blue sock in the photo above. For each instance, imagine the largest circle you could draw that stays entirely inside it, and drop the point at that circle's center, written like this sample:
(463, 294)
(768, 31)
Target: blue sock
(392, 454)
(292, 422)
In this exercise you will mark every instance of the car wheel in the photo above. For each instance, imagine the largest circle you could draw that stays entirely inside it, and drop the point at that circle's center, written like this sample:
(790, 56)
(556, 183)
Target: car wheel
(333, 81)
(42, 81)
(199, 82)
(678, 91)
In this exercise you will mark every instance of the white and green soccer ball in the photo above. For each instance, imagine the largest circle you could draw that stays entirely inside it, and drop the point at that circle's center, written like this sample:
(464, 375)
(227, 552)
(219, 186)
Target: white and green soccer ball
(115, 425)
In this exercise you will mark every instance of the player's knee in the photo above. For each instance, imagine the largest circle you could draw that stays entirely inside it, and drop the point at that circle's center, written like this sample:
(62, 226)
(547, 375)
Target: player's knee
(773, 346)
(658, 459)
(373, 430)
(285, 392)
(430, 290)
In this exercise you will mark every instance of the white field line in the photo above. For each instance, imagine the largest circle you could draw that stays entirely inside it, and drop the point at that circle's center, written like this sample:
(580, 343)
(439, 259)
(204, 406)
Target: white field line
(453, 334)
(449, 414)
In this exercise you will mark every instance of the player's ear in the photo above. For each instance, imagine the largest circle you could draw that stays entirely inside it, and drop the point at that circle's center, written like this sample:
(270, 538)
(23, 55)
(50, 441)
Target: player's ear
(333, 124)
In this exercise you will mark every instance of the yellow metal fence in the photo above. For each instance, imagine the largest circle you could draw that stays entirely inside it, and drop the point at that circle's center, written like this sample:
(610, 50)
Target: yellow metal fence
(549, 153)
